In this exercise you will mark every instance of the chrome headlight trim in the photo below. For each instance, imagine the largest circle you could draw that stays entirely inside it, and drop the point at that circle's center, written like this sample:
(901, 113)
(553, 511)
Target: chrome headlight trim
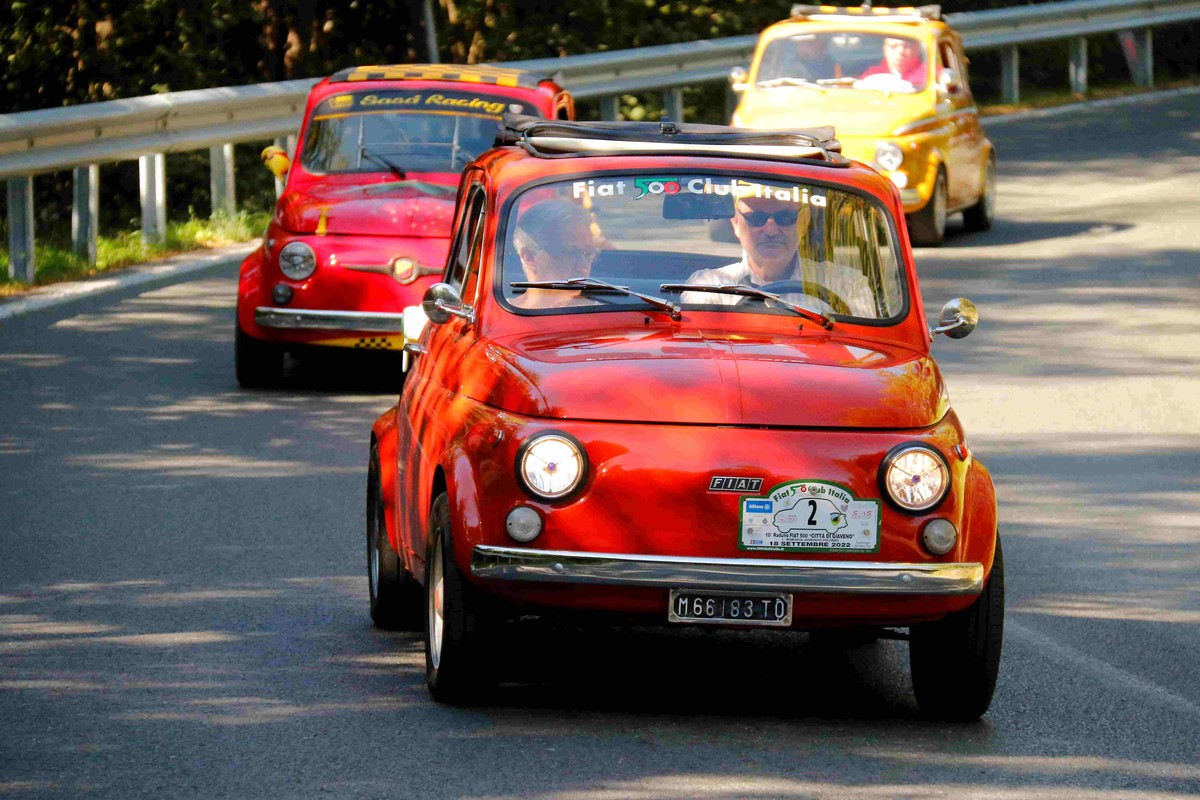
(552, 465)
(297, 261)
(888, 155)
(915, 477)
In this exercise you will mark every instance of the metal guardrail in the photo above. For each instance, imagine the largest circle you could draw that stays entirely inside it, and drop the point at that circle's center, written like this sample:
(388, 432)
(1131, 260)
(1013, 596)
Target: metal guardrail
(80, 137)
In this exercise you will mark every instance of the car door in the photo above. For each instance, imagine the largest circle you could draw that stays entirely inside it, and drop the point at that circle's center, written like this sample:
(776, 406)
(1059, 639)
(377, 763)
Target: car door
(426, 423)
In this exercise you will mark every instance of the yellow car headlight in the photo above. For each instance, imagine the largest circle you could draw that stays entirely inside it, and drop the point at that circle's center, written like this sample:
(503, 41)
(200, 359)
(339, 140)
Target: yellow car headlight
(888, 156)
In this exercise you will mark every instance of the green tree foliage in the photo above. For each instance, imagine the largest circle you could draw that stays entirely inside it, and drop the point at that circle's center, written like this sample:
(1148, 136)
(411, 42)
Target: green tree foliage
(65, 52)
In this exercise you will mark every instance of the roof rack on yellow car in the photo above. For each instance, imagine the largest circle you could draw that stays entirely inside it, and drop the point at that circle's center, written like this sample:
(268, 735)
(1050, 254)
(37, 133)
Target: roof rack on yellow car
(865, 13)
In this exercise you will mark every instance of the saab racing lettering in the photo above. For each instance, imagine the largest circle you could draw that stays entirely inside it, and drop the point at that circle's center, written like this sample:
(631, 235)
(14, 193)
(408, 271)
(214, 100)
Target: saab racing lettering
(434, 100)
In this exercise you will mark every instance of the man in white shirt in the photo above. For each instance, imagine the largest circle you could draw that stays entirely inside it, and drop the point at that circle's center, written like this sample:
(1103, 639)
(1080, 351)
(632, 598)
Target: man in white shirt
(769, 232)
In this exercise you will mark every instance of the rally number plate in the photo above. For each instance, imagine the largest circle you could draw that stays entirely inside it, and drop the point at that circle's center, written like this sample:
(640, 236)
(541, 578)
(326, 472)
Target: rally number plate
(730, 608)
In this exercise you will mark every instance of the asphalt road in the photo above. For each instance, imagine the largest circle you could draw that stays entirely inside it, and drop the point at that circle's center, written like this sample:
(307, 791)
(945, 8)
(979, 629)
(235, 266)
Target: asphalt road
(183, 599)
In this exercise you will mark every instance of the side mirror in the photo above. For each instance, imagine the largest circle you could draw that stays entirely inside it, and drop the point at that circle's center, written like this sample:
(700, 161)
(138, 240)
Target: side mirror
(275, 159)
(948, 80)
(737, 79)
(441, 302)
(959, 317)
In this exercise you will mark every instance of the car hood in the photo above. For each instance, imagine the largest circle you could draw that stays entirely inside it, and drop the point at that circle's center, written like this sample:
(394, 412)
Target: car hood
(695, 377)
(852, 112)
(400, 208)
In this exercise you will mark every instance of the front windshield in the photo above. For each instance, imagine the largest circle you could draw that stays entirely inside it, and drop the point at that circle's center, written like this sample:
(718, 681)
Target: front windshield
(844, 58)
(403, 131)
(822, 249)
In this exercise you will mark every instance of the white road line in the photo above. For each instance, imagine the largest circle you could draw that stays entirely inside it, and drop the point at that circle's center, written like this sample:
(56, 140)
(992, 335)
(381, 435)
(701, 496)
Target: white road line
(1102, 670)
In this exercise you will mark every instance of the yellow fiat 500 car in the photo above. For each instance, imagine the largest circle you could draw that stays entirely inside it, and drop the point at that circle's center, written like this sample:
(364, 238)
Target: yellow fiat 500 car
(893, 83)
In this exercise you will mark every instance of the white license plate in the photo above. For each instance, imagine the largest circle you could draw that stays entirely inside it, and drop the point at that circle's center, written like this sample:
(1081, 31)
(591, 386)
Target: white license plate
(730, 608)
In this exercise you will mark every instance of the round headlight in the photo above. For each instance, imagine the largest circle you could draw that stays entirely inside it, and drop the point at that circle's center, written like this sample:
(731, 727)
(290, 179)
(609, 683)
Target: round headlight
(297, 260)
(888, 155)
(915, 477)
(551, 465)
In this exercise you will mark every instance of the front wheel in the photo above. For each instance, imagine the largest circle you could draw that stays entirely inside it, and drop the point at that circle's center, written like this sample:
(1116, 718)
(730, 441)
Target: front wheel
(955, 661)
(395, 596)
(927, 227)
(980, 216)
(456, 618)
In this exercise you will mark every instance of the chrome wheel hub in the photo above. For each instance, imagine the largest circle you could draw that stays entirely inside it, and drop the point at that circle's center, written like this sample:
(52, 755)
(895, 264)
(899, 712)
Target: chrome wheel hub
(437, 606)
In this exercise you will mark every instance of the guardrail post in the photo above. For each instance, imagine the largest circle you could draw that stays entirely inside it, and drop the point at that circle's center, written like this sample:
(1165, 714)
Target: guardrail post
(1079, 54)
(1138, 47)
(1010, 75)
(21, 264)
(220, 180)
(152, 171)
(673, 104)
(85, 211)
(610, 108)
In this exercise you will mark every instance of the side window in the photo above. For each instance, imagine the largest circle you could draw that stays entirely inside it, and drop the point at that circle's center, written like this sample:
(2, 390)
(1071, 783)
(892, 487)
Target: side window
(948, 58)
(460, 252)
(474, 257)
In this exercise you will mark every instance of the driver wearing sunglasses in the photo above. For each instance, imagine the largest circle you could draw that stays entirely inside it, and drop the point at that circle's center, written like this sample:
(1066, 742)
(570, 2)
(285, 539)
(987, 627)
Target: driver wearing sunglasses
(769, 233)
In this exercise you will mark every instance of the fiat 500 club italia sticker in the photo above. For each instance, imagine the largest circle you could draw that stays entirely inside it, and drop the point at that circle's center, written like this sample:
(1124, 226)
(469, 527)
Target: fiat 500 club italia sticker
(809, 515)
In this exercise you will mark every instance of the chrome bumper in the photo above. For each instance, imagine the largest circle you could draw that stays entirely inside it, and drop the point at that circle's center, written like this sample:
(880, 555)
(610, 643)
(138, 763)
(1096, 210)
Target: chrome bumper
(310, 319)
(758, 574)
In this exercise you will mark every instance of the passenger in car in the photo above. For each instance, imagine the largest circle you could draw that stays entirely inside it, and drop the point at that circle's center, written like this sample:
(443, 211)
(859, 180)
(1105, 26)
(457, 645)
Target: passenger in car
(554, 241)
(902, 60)
(769, 231)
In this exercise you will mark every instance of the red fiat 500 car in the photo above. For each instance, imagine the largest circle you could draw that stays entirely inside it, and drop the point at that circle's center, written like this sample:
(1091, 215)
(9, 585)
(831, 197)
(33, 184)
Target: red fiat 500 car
(609, 411)
(363, 224)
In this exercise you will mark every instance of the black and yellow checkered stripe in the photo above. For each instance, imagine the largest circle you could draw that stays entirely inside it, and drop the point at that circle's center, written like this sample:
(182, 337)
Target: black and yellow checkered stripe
(496, 76)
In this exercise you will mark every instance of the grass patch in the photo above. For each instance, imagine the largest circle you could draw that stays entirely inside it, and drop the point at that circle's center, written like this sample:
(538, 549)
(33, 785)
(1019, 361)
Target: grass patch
(55, 261)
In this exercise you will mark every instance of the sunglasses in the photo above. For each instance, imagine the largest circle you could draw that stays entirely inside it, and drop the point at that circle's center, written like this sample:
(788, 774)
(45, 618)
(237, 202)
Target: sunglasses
(756, 219)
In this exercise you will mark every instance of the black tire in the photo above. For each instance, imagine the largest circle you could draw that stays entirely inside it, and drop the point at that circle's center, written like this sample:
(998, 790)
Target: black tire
(980, 216)
(456, 620)
(395, 596)
(955, 661)
(927, 227)
(258, 364)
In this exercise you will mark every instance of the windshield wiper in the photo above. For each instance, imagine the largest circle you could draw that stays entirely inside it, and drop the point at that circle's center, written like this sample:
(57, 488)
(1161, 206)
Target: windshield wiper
(774, 82)
(749, 291)
(396, 169)
(589, 285)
